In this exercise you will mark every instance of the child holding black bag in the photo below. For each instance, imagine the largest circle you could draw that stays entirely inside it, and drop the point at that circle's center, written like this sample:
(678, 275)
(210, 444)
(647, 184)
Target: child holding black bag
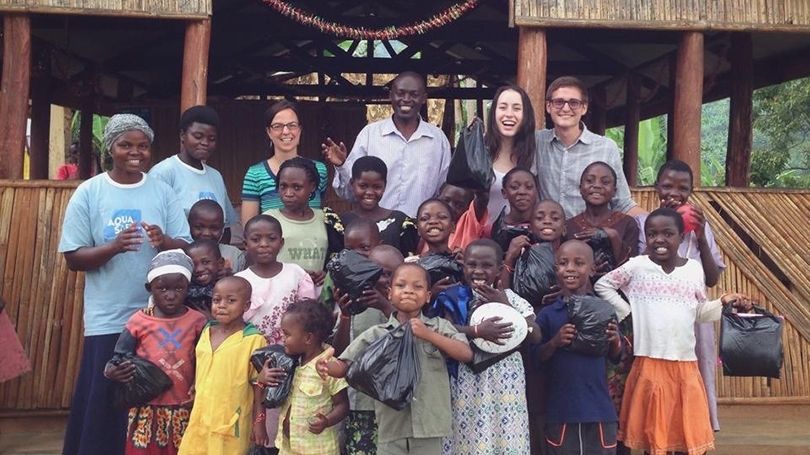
(420, 426)
(315, 404)
(579, 416)
(164, 334)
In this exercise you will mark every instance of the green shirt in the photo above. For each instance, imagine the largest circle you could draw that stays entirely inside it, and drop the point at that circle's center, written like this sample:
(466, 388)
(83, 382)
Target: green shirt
(305, 242)
(429, 415)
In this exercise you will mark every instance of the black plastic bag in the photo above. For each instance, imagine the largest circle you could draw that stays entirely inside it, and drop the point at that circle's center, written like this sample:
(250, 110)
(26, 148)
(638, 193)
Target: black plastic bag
(471, 165)
(388, 370)
(259, 450)
(751, 344)
(353, 273)
(147, 384)
(603, 249)
(503, 234)
(535, 273)
(441, 265)
(591, 316)
(275, 396)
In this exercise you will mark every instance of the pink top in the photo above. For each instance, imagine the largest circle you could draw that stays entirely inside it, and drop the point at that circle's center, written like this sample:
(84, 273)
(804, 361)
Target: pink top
(13, 361)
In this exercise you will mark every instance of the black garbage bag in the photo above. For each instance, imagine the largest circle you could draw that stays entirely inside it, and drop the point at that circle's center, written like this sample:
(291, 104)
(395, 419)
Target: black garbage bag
(353, 273)
(535, 273)
(259, 450)
(591, 316)
(471, 165)
(147, 384)
(503, 234)
(388, 370)
(441, 265)
(751, 344)
(275, 396)
(603, 249)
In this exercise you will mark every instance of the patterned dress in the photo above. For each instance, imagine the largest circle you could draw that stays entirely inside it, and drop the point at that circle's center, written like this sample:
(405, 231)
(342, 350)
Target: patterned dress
(489, 409)
(157, 427)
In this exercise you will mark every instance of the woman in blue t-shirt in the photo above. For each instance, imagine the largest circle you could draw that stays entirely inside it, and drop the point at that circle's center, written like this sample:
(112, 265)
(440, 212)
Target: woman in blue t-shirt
(115, 223)
(260, 186)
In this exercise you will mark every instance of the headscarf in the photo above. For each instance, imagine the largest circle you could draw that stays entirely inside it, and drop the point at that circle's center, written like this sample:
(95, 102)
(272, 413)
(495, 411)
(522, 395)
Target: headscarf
(118, 125)
(170, 261)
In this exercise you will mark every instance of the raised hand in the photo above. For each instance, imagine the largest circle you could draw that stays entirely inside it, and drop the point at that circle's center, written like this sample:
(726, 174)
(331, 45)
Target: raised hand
(334, 153)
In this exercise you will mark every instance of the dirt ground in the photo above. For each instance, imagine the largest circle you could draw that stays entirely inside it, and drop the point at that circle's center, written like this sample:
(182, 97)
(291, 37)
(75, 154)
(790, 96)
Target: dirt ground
(746, 429)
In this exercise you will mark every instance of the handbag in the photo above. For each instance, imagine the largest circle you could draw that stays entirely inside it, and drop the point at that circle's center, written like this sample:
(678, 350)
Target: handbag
(751, 344)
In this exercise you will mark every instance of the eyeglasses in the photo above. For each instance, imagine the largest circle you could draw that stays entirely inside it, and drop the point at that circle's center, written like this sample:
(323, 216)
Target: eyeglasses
(279, 127)
(573, 103)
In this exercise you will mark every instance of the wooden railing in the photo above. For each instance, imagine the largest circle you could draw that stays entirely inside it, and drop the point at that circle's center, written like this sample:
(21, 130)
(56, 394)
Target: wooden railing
(45, 298)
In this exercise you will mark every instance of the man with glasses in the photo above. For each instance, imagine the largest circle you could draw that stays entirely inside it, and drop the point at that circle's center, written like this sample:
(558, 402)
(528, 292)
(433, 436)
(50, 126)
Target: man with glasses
(565, 151)
(416, 153)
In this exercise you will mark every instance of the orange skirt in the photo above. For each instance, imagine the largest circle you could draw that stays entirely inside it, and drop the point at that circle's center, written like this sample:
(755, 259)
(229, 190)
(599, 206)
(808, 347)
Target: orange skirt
(665, 408)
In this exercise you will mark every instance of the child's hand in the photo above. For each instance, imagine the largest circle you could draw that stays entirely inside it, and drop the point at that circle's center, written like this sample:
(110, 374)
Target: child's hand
(439, 286)
(317, 276)
(225, 270)
(419, 329)
(671, 203)
(259, 434)
(700, 219)
(334, 153)
(129, 239)
(554, 293)
(565, 336)
(612, 333)
(458, 255)
(155, 234)
(739, 301)
(585, 234)
(493, 331)
(601, 263)
(344, 301)
(490, 294)
(373, 298)
(271, 376)
(516, 247)
(123, 372)
(318, 423)
(323, 364)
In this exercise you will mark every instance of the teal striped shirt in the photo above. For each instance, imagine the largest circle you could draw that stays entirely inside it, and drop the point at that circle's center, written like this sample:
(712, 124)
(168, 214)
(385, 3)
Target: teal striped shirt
(260, 185)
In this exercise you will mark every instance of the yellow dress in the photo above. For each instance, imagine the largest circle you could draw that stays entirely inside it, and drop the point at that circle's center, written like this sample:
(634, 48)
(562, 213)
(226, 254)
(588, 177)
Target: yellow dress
(222, 417)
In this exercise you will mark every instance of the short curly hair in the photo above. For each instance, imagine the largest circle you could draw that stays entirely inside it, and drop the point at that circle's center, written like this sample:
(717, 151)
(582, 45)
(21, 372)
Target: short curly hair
(313, 317)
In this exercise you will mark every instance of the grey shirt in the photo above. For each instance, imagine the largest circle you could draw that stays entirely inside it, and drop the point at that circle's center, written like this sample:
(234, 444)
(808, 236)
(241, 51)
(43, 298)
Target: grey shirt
(559, 169)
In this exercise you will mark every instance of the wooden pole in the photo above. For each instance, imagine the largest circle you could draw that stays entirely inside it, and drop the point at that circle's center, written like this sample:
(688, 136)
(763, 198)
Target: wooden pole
(597, 109)
(531, 72)
(195, 64)
(671, 108)
(740, 126)
(631, 129)
(688, 101)
(40, 115)
(14, 88)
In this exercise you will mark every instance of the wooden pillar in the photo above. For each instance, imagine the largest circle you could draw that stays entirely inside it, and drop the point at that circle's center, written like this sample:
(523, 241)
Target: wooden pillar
(86, 126)
(597, 109)
(631, 129)
(531, 72)
(195, 64)
(740, 127)
(14, 87)
(671, 106)
(688, 101)
(40, 115)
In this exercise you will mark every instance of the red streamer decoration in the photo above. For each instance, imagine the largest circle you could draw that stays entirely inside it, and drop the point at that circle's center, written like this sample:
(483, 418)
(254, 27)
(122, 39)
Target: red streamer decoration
(447, 16)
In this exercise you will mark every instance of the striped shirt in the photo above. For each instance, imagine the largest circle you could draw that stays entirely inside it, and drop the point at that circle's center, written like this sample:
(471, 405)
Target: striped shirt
(559, 169)
(260, 185)
(417, 167)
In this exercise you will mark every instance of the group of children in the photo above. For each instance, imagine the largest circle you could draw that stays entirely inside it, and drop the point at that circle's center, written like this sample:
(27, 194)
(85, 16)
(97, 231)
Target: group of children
(211, 306)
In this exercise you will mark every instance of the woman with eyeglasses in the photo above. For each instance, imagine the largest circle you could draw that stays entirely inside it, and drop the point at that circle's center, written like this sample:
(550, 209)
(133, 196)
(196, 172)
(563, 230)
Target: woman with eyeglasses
(260, 186)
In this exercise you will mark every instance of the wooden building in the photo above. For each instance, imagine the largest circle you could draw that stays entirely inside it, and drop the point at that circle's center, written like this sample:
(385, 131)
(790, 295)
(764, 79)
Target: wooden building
(157, 57)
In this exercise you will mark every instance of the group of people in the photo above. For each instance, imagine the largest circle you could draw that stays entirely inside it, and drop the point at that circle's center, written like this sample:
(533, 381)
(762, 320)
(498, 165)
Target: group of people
(206, 305)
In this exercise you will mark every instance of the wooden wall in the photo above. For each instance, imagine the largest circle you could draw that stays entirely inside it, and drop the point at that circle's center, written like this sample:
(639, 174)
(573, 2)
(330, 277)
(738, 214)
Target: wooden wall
(44, 298)
(783, 15)
(176, 9)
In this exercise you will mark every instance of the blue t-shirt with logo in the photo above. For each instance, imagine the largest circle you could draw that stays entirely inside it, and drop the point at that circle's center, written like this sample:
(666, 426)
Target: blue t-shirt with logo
(192, 185)
(96, 213)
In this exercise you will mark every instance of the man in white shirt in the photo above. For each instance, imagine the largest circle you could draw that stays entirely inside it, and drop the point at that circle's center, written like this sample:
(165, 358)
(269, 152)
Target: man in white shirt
(416, 153)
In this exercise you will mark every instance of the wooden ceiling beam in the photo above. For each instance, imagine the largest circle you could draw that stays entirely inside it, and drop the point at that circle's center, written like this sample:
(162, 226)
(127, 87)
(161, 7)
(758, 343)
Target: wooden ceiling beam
(358, 92)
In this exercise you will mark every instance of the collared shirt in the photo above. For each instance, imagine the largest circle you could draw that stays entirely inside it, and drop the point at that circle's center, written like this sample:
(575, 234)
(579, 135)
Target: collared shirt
(429, 414)
(416, 166)
(577, 387)
(559, 169)
(310, 394)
